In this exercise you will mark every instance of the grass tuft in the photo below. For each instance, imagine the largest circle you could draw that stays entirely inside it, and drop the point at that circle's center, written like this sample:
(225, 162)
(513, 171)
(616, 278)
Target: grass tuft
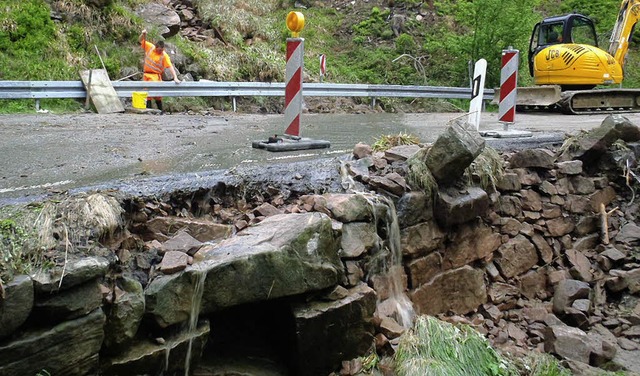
(27, 232)
(386, 142)
(94, 216)
(487, 169)
(419, 174)
(542, 365)
(433, 347)
(21, 242)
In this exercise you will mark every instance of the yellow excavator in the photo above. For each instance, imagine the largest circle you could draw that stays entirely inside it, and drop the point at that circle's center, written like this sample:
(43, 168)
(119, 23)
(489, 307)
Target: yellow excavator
(564, 59)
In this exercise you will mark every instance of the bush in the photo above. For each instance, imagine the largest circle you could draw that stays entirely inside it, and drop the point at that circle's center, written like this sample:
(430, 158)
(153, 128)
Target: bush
(405, 44)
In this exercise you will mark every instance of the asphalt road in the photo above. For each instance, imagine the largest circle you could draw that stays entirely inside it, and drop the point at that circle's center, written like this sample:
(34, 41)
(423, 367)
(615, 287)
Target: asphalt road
(44, 152)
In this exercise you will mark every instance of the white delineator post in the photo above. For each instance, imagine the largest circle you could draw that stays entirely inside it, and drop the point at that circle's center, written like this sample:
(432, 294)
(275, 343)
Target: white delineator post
(508, 86)
(477, 92)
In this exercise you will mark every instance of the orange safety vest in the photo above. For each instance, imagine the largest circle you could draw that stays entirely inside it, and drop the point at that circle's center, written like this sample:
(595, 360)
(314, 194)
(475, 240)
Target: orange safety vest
(154, 62)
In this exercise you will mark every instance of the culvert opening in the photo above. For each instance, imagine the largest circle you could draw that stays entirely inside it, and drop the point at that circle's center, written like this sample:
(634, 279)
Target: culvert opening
(250, 339)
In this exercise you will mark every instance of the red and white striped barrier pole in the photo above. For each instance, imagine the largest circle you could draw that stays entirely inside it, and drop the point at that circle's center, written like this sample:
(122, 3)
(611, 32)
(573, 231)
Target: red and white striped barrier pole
(508, 85)
(293, 75)
(293, 88)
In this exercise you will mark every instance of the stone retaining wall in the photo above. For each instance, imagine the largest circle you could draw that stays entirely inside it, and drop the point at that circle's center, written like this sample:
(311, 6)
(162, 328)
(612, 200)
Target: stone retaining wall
(527, 263)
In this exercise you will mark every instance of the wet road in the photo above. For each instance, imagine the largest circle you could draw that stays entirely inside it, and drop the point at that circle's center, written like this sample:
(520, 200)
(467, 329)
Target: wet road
(44, 152)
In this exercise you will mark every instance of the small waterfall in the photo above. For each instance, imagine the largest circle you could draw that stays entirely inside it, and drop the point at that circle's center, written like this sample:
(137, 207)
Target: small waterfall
(347, 182)
(403, 305)
(196, 302)
(394, 270)
(167, 352)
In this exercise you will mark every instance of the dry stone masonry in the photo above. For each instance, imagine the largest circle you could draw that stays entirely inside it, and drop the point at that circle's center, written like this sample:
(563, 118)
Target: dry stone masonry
(533, 262)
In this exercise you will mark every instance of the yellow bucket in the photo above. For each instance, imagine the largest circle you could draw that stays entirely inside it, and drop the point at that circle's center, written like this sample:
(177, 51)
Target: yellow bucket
(139, 99)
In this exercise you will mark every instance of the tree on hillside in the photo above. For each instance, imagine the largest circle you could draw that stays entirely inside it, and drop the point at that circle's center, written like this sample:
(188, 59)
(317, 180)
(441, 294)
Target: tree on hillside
(483, 28)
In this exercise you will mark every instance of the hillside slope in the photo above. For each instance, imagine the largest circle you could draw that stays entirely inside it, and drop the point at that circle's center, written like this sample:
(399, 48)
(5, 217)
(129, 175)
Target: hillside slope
(365, 41)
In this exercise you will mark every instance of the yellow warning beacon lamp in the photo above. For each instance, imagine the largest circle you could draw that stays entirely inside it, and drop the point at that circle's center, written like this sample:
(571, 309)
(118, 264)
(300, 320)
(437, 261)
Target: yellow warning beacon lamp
(295, 23)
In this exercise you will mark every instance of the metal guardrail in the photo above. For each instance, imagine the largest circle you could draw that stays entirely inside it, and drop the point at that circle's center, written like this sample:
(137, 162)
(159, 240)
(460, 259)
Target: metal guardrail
(75, 89)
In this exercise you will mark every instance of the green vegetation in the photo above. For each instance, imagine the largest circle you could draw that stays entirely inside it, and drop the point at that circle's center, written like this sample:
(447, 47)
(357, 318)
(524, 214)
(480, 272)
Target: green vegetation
(419, 175)
(71, 225)
(434, 347)
(486, 170)
(540, 364)
(386, 142)
(411, 43)
(21, 246)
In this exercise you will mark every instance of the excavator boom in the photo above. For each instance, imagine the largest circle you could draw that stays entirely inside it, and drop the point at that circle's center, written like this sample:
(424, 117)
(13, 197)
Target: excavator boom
(623, 29)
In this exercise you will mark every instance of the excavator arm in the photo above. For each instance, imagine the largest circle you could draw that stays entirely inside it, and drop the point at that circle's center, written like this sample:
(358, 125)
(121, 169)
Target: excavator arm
(627, 18)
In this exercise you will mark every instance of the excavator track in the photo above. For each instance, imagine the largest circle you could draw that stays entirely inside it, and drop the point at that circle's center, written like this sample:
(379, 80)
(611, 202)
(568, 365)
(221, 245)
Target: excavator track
(608, 101)
(576, 102)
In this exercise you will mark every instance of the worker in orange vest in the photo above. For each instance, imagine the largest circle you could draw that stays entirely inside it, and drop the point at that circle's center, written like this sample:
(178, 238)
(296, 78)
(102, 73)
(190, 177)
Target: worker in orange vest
(155, 62)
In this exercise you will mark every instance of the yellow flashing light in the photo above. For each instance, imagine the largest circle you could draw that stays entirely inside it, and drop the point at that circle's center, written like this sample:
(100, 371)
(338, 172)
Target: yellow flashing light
(295, 23)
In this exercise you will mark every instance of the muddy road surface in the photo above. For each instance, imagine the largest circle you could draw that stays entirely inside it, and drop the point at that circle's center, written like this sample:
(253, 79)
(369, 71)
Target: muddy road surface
(45, 153)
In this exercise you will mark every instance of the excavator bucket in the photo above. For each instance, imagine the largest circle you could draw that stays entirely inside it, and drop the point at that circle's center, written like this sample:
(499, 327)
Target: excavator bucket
(541, 96)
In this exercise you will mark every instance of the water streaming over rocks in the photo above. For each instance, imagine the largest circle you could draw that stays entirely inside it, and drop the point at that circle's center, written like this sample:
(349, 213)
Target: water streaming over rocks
(199, 275)
(397, 301)
(403, 305)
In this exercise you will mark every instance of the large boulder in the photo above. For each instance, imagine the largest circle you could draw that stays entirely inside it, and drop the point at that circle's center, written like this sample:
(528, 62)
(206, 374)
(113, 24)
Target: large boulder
(460, 290)
(70, 348)
(201, 229)
(473, 241)
(357, 238)
(414, 208)
(167, 357)
(453, 207)
(453, 152)
(536, 158)
(566, 292)
(163, 17)
(568, 343)
(345, 207)
(421, 239)
(283, 255)
(516, 256)
(329, 332)
(16, 305)
(73, 273)
(592, 145)
(124, 314)
(68, 304)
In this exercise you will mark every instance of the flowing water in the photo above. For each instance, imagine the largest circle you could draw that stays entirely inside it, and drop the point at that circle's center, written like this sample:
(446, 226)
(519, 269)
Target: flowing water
(392, 267)
(167, 352)
(404, 307)
(199, 276)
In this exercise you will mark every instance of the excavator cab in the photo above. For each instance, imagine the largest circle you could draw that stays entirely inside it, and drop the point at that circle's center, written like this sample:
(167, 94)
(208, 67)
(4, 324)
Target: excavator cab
(567, 29)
